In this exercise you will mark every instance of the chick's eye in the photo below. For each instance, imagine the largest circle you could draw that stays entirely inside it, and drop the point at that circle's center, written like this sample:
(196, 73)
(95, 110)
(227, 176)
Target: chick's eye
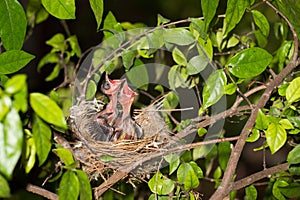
(106, 85)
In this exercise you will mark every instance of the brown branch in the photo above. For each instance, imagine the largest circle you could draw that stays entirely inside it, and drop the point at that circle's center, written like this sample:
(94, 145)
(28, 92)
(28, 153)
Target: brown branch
(258, 176)
(224, 188)
(42, 192)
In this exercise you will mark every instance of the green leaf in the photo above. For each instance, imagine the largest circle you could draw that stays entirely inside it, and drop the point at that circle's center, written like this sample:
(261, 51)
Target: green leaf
(57, 42)
(128, 58)
(69, 186)
(234, 13)
(5, 104)
(262, 40)
(224, 151)
(179, 57)
(286, 124)
(261, 21)
(176, 78)
(209, 8)
(14, 60)
(11, 141)
(276, 137)
(173, 160)
(85, 186)
(47, 109)
(5, 190)
(251, 193)
(13, 24)
(138, 74)
(91, 90)
(292, 191)
(294, 156)
(179, 36)
(255, 134)
(249, 62)
(65, 155)
(74, 45)
(161, 20)
(293, 91)
(15, 84)
(196, 169)
(276, 191)
(161, 185)
(232, 42)
(30, 151)
(62, 9)
(42, 138)
(187, 176)
(97, 7)
(214, 88)
(196, 64)
(230, 88)
(262, 121)
(54, 74)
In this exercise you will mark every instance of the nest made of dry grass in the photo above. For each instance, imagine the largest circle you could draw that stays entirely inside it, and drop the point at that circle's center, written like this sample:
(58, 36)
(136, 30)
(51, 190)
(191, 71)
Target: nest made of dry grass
(99, 157)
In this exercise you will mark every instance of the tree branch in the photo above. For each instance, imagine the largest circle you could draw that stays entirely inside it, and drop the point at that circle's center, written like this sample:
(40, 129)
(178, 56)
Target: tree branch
(224, 188)
(41, 191)
(258, 176)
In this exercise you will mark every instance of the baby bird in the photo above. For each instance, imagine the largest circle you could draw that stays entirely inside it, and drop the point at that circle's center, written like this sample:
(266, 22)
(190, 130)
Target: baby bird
(128, 128)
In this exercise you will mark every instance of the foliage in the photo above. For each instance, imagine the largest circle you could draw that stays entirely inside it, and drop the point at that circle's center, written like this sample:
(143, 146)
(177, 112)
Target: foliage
(245, 66)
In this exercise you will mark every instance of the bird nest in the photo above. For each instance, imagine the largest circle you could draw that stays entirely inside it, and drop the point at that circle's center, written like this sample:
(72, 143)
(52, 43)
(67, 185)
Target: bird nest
(99, 157)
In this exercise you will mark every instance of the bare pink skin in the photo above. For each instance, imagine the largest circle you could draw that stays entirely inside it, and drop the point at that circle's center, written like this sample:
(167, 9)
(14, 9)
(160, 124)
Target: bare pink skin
(110, 88)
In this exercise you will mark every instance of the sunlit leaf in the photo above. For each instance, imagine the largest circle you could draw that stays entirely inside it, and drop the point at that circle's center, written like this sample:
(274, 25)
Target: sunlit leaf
(15, 84)
(230, 88)
(57, 42)
(286, 124)
(293, 91)
(69, 186)
(234, 13)
(161, 185)
(47, 109)
(179, 57)
(232, 42)
(30, 151)
(5, 104)
(14, 60)
(91, 90)
(54, 74)
(74, 45)
(13, 24)
(197, 169)
(5, 190)
(276, 137)
(262, 121)
(42, 138)
(251, 193)
(255, 134)
(128, 58)
(276, 191)
(97, 7)
(294, 155)
(214, 88)
(209, 8)
(85, 186)
(196, 64)
(176, 78)
(178, 36)
(261, 21)
(224, 151)
(138, 75)
(174, 161)
(62, 9)
(249, 62)
(65, 155)
(187, 176)
(161, 20)
(11, 141)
